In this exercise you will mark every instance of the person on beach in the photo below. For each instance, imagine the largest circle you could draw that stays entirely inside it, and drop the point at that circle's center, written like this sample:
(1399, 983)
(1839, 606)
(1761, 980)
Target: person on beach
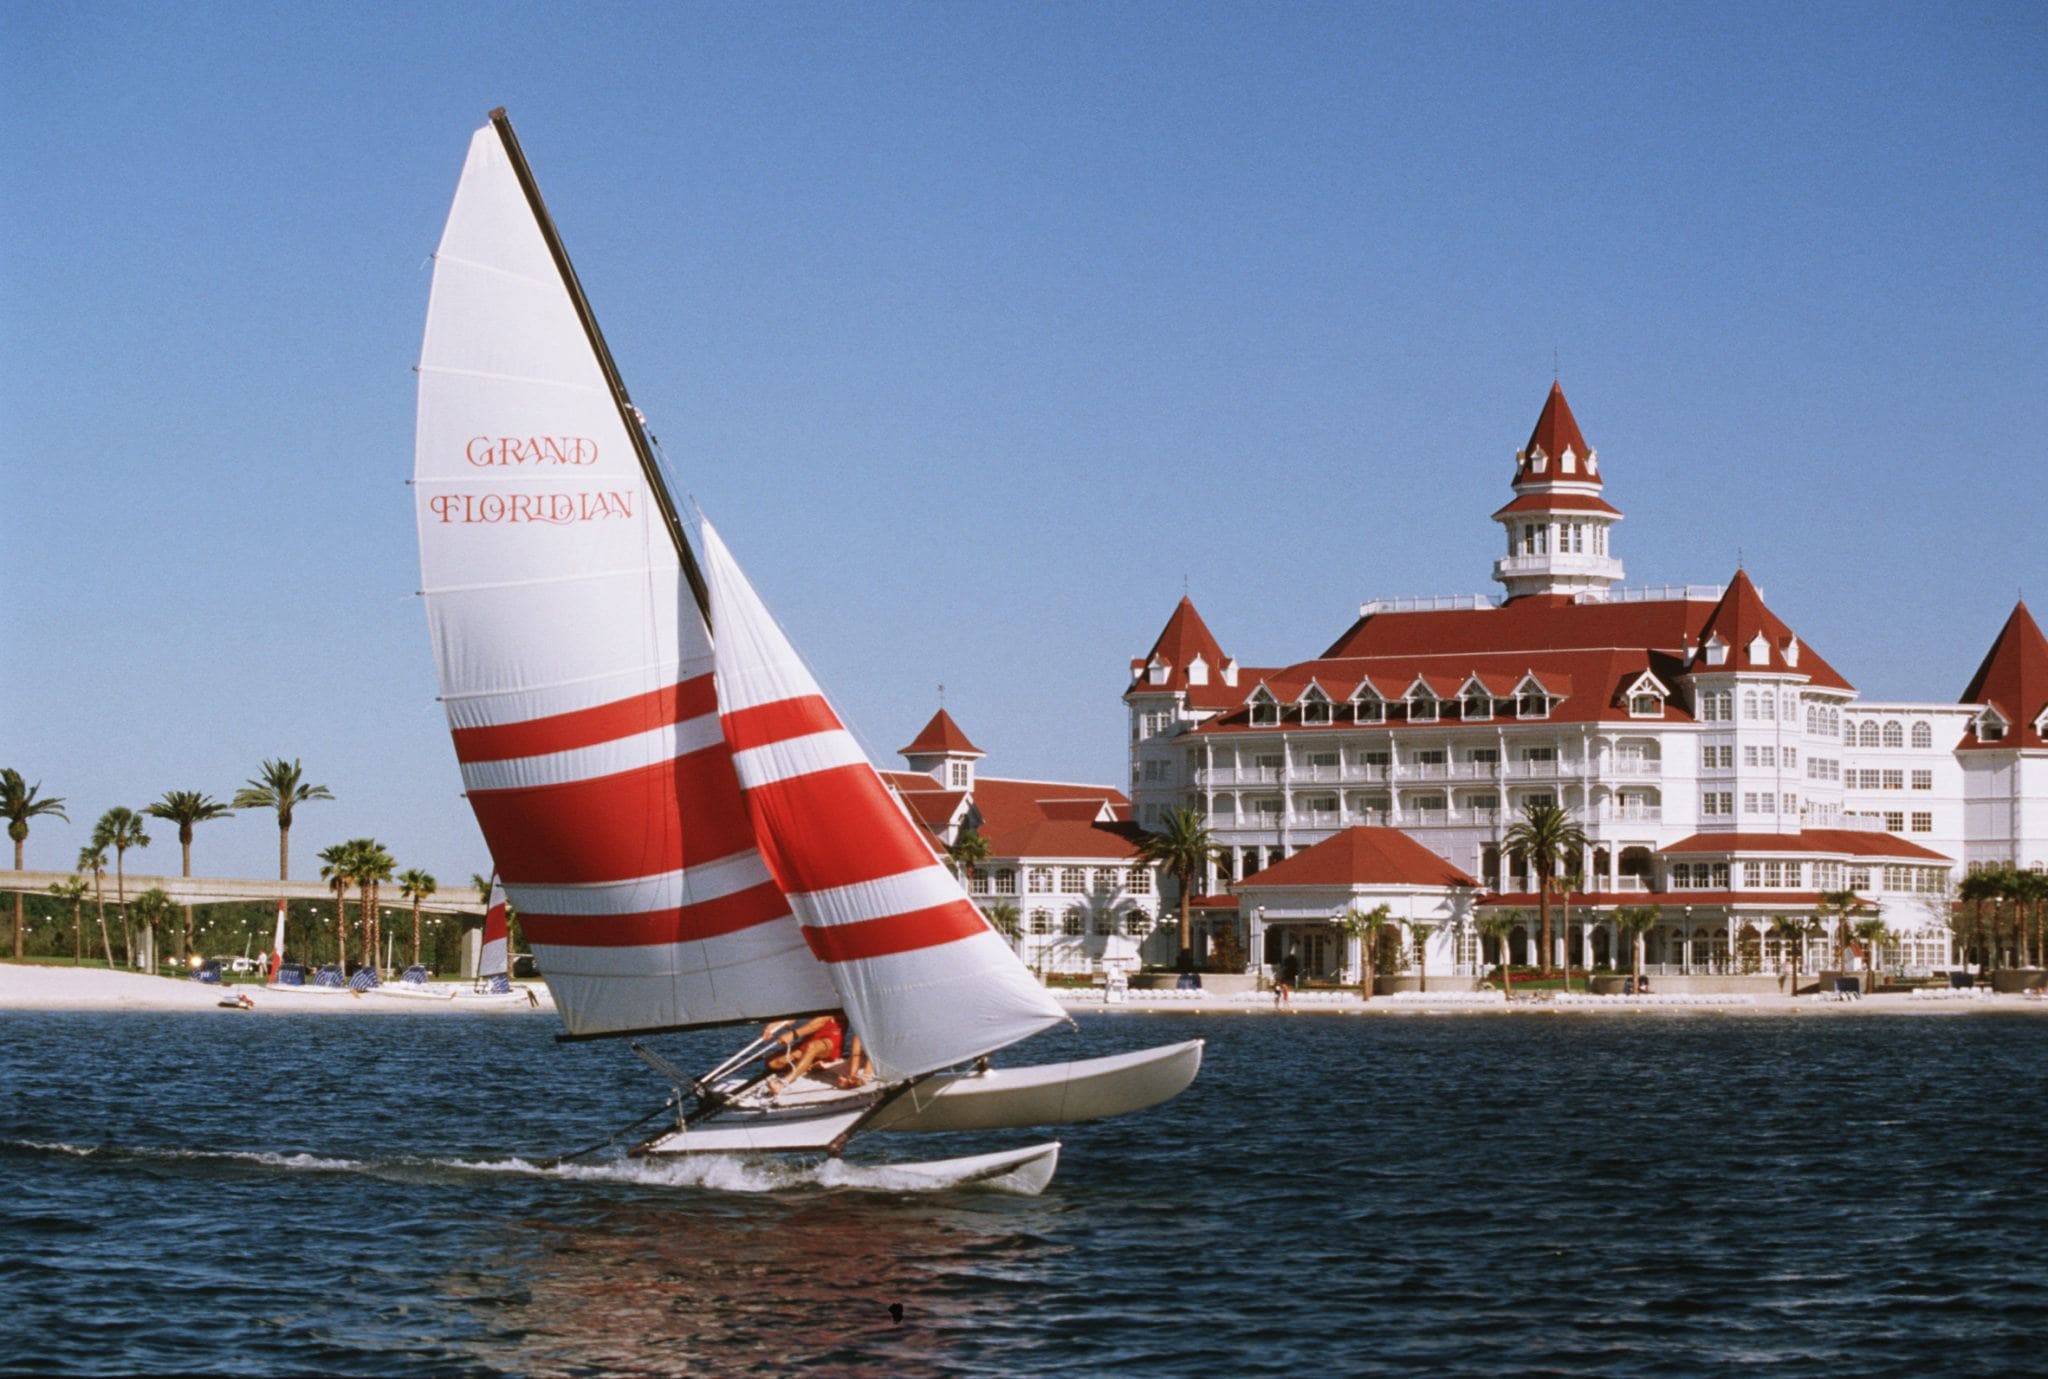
(1283, 987)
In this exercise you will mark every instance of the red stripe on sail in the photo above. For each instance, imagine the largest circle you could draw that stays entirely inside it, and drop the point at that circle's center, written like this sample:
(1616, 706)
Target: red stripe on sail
(776, 722)
(833, 828)
(727, 914)
(904, 933)
(563, 732)
(651, 819)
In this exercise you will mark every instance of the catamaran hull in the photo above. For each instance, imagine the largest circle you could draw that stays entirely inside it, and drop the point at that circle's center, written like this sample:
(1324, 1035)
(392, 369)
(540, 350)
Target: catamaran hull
(999, 1099)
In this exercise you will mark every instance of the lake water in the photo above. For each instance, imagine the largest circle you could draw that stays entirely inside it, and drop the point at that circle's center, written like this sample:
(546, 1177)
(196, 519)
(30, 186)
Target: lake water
(1664, 1194)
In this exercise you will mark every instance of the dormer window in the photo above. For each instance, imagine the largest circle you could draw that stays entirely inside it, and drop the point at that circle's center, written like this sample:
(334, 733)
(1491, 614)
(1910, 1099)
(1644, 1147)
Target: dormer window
(1759, 650)
(1792, 651)
(1645, 705)
(1568, 462)
(1198, 671)
(1265, 709)
(1369, 708)
(1717, 651)
(1990, 727)
(1315, 706)
(1157, 671)
(1478, 704)
(1532, 704)
(1422, 707)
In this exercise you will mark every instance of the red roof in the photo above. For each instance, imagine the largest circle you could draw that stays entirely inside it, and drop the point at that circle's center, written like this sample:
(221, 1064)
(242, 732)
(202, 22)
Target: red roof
(1184, 638)
(1556, 431)
(941, 737)
(1739, 618)
(1587, 686)
(1534, 622)
(1558, 502)
(1030, 818)
(2014, 680)
(1361, 856)
(1844, 841)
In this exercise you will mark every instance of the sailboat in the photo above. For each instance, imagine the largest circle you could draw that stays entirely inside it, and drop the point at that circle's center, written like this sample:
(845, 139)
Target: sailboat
(691, 835)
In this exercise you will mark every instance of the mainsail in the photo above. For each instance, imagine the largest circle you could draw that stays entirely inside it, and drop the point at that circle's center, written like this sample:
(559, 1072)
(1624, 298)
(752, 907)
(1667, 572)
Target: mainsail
(924, 979)
(575, 666)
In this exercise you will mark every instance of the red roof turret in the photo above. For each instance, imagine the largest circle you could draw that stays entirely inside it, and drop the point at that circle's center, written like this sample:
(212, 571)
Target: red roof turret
(2013, 680)
(1736, 623)
(941, 737)
(1557, 431)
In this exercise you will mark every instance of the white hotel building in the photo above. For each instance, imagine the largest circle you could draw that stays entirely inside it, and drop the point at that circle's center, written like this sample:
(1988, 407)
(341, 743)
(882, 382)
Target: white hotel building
(1721, 768)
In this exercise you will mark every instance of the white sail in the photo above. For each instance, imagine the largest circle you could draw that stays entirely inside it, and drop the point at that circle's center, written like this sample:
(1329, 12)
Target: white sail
(574, 663)
(923, 978)
(494, 958)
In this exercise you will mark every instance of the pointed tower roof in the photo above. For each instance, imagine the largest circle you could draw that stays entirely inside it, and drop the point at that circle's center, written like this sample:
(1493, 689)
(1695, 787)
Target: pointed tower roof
(1739, 619)
(2014, 680)
(1184, 637)
(1169, 665)
(941, 737)
(1557, 431)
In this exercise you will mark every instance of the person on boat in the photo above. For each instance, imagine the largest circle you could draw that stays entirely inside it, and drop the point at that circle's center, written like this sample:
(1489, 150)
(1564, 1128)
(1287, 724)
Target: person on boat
(815, 1041)
(859, 1069)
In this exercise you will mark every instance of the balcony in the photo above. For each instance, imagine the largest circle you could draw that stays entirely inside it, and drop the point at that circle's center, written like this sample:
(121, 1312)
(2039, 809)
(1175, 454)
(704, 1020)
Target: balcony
(1634, 766)
(1556, 563)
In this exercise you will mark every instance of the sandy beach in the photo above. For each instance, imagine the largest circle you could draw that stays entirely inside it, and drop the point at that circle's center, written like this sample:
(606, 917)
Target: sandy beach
(25, 986)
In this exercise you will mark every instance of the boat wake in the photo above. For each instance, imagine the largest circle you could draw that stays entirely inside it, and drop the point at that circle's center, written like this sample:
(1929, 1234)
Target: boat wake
(709, 1173)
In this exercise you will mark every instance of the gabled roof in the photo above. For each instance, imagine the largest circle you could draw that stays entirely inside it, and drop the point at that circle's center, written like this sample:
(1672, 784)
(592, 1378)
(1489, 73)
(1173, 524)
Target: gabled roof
(941, 737)
(1029, 818)
(1362, 856)
(1534, 622)
(1739, 619)
(2014, 680)
(1556, 431)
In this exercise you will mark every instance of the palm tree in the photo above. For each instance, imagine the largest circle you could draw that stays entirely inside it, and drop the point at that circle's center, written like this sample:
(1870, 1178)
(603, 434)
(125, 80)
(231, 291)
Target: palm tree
(73, 889)
(967, 851)
(374, 866)
(121, 828)
(1366, 926)
(1497, 925)
(94, 859)
(1004, 919)
(153, 907)
(2031, 890)
(416, 886)
(1837, 906)
(1550, 841)
(186, 809)
(1565, 883)
(19, 803)
(1419, 935)
(1792, 933)
(1183, 849)
(1634, 921)
(280, 786)
(1870, 932)
(337, 869)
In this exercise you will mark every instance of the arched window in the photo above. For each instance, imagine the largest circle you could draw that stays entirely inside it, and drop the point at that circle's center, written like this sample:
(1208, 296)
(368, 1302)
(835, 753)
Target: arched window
(1749, 703)
(1813, 720)
(1894, 735)
(1137, 924)
(1105, 923)
(1074, 922)
(1041, 921)
(1923, 735)
(1866, 736)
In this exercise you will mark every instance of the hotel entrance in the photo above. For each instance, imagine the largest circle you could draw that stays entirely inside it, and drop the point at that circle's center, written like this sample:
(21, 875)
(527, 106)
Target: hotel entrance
(1317, 949)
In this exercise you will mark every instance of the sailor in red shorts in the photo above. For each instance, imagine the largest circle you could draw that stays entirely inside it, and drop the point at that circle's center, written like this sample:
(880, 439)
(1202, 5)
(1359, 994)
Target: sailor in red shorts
(813, 1042)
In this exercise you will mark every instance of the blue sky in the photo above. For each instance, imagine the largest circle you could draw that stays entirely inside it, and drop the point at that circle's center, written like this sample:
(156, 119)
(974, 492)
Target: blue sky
(980, 328)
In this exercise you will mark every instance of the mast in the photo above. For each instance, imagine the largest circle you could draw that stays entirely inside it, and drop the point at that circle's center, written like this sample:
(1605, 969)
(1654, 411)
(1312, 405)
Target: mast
(629, 416)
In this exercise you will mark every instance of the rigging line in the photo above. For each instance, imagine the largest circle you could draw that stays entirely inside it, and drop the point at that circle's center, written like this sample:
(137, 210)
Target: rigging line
(612, 1138)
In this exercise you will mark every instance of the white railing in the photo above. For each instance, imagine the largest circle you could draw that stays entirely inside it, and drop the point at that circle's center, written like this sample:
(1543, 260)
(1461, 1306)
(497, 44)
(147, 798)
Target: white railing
(1442, 603)
(1655, 593)
(1632, 766)
(1635, 813)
